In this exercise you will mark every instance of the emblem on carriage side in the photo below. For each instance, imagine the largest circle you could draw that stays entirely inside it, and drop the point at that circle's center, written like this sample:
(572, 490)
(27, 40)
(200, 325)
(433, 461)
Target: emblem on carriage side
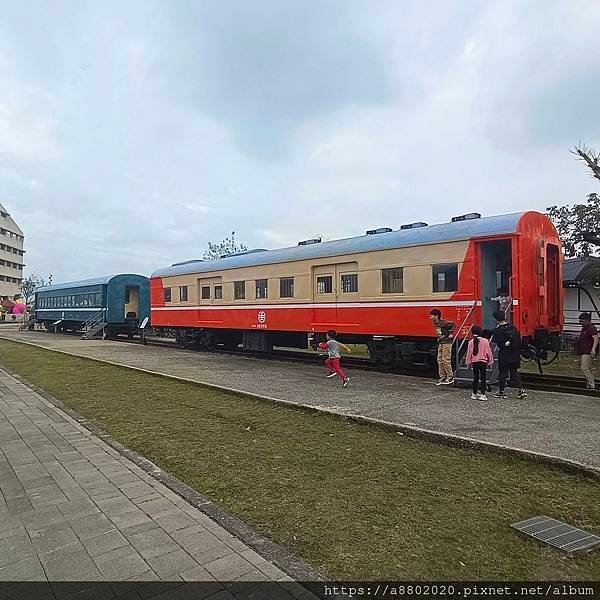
(262, 316)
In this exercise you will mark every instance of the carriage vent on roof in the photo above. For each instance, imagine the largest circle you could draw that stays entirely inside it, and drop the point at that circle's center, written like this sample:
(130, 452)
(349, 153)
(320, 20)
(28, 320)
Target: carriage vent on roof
(187, 262)
(466, 217)
(413, 225)
(309, 242)
(379, 230)
(254, 251)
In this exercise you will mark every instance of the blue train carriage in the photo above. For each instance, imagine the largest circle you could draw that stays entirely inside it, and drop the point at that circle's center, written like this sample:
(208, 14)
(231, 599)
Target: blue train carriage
(106, 305)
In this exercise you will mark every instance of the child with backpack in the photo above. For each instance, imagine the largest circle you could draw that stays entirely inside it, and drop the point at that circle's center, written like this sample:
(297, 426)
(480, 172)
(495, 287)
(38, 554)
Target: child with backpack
(334, 349)
(479, 357)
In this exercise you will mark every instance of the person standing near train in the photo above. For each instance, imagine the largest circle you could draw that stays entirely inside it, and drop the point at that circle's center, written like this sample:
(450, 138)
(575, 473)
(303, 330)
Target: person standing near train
(479, 358)
(587, 348)
(445, 337)
(505, 303)
(508, 339)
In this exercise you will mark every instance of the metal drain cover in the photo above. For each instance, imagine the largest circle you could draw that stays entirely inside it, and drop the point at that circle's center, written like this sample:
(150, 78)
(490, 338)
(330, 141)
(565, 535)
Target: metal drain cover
(558, 534)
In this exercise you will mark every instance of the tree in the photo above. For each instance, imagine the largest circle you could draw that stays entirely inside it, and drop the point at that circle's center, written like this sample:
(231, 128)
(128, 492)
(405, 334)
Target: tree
(227, 246)
(579, 225)
(30, 284)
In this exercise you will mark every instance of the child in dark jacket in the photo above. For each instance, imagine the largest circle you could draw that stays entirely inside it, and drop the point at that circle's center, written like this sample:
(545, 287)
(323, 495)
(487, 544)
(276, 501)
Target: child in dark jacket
(479, 357)
(508, 340)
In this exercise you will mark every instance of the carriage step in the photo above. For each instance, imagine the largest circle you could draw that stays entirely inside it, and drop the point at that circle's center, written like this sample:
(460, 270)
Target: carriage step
(93, 331)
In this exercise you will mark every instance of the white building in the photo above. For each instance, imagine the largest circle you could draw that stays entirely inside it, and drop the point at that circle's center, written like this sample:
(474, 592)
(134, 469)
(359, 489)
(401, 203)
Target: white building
(580, 296)
(11, 255)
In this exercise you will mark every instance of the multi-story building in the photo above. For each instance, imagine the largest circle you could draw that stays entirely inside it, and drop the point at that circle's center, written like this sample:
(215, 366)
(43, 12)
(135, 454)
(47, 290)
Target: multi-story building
(11, 255)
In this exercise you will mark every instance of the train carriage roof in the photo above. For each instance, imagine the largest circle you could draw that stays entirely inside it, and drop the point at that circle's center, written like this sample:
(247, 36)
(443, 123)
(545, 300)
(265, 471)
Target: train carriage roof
(432, 234)
(84, 283)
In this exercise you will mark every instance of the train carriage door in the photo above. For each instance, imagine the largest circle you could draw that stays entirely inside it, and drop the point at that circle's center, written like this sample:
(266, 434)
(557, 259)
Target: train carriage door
(553, 288)
(495, 277)
(324, 296)
(132, 301)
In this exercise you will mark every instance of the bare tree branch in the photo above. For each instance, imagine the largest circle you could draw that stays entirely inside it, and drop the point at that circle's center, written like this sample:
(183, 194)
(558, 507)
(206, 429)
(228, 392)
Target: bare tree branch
(591, 237)
(590, 157)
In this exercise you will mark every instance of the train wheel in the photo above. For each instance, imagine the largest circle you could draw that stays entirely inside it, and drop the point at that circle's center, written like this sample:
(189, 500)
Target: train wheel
(382, 352)
(182, 339)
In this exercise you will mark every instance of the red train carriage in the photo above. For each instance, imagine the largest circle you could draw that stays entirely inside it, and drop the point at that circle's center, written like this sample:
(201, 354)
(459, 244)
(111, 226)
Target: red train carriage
(375, 289)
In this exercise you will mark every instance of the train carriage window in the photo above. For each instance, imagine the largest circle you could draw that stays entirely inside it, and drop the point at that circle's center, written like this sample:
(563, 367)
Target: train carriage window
(445, 278)
(239, 290)
(324, 284)
(205, 292)
(392, 280)
(349, 283)
(183, 293)
(261, 288)
(286, 287)
(167, 292)
(218, 292)
(127, 295)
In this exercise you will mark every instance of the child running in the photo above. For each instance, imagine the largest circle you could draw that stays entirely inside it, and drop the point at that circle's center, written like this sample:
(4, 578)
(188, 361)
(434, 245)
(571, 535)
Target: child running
(479, 356)
(333, 348)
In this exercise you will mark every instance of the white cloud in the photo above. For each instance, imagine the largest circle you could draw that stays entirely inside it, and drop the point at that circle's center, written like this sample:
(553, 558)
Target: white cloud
(131, 135)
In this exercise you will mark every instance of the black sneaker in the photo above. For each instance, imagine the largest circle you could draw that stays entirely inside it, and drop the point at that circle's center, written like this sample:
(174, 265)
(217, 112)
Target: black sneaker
(346, 382)
(522, 394)
(331, 374)
(499, 395)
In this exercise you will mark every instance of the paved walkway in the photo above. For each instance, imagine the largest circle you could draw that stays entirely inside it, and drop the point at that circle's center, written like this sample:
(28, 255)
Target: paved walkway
(561, 425)
(73, 509)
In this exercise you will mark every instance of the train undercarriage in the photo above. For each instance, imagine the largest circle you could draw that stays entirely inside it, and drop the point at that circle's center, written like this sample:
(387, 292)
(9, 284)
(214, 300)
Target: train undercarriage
(386, 351)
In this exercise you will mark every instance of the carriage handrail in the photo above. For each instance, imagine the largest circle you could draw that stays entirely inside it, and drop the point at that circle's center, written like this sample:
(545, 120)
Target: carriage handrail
(95, 319)
(459, 348)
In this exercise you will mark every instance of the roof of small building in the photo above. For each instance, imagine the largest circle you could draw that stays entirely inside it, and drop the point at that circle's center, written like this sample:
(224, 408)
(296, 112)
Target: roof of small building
(575, 269)
(431, 234)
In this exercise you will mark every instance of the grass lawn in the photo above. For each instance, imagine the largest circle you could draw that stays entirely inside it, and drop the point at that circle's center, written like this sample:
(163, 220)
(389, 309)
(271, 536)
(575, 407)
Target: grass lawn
(567, 364)
(356, 502)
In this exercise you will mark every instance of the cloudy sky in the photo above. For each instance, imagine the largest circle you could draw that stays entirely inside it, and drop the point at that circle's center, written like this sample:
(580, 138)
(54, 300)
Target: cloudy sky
(132, 133)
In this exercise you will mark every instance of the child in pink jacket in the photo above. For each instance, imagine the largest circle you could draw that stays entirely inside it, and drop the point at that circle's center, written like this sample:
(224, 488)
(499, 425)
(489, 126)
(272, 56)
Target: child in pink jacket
(479, 356)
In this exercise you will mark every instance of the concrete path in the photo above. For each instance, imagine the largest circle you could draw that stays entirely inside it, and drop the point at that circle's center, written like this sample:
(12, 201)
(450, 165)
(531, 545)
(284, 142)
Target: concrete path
(557, 424)
(73, 509)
